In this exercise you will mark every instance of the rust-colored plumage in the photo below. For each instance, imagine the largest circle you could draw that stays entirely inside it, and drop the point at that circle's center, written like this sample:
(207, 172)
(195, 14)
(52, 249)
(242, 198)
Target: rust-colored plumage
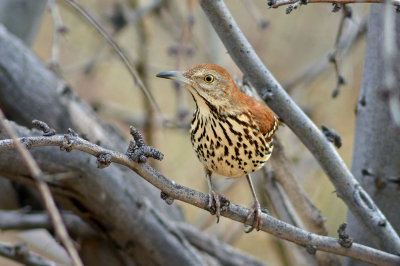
(231, 132)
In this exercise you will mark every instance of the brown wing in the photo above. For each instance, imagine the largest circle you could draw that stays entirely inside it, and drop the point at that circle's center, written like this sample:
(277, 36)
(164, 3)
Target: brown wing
(263, 116)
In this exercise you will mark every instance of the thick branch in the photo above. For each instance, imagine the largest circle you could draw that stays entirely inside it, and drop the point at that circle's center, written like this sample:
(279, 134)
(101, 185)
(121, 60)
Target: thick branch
(22, 18)
(23, 220)
(347, 187)
(376, 152)
(198, 199)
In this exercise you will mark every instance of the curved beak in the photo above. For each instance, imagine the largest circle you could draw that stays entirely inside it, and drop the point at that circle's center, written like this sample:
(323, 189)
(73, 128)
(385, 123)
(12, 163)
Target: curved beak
(174, 75)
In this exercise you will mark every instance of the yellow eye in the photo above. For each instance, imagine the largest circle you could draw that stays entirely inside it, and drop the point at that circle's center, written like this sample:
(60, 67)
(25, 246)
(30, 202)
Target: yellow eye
(208, 78)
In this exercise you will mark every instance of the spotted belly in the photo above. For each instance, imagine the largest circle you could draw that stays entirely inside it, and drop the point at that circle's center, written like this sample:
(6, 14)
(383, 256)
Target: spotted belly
(229, 146)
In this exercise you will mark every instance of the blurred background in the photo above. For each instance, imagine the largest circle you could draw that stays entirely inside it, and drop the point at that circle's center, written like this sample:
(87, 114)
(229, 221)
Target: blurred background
(175, 35)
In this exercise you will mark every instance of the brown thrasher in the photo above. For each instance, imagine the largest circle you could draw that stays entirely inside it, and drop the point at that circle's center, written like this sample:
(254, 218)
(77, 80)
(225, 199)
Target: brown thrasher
(231, 132)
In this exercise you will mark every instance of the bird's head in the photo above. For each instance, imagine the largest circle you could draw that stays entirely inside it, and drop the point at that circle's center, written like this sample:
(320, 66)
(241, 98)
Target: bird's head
(206, 82)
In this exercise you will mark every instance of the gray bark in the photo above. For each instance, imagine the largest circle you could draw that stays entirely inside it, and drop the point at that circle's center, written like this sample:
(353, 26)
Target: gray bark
(376, 154)
(20, 253)
(25, 220)
(22, 17)
(8, 197)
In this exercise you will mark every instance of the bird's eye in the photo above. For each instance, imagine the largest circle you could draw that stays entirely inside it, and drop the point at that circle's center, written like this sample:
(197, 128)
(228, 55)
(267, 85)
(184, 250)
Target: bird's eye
(208, 78)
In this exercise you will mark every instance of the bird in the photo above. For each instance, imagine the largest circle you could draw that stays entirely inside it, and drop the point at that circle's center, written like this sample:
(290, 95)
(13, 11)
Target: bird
(231, 132)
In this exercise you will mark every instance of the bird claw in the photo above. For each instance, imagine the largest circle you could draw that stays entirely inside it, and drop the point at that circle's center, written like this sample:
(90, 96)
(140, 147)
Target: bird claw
(216, 203)
(257, 222)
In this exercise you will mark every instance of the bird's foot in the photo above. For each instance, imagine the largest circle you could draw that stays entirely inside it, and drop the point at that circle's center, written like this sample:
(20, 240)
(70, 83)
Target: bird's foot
(257, 222)
(138, 151)
(216, 203)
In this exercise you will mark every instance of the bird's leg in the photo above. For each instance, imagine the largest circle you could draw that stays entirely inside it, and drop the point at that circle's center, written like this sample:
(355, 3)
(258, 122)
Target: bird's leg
(256, 210)
(215, 198)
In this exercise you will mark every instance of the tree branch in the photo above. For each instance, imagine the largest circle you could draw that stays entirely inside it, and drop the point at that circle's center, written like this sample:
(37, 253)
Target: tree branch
(347, 187)
(23, 220)
(23, 19)
(44, 190)
(211, 245)
(305, 208)
(122, 55)
(59, 29)
(138, 13)
(340, 80)
(198, 199)
(278, 3)
(376, 147)
(351, 36)
(223, 253)
(21, 254)
(279, 205)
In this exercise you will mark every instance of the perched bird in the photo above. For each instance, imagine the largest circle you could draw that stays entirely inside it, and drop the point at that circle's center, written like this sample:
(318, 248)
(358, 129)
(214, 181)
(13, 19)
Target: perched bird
(231, 132)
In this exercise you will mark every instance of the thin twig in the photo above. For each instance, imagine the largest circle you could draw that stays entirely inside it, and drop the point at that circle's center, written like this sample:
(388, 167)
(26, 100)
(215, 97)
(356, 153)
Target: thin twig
(123, 56)
(20, 253)
(255, 13)
(351, 36)
(347, 187)
(179, 50)
(141, 66)
(128, 116)
(121, 16)
(278, 3)
(301, 205)
(198, 199)
(59, 29)
(309, 213)
(140, 12)
(44, 190)
(278, 203)
(340, 81)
